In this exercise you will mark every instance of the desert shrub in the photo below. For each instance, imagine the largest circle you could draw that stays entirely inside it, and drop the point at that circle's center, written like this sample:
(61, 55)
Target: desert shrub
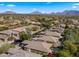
(4, 48)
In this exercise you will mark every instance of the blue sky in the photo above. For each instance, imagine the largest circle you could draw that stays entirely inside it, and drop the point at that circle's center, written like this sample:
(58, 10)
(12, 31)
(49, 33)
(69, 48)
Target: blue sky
(44, 7)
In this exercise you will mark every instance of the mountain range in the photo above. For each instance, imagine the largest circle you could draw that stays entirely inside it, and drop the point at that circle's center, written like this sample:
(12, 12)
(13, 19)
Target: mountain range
(8, 12)
(66, 12)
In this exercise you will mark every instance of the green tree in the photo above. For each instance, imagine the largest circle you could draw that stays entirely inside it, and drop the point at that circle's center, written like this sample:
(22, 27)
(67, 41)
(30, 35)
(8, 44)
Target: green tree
(3, 28)
(11, 38)
(4, 48)
(68, 45)
(34, 28)
(71, 40)
(24, 36)
(46, 23)
(64, 53)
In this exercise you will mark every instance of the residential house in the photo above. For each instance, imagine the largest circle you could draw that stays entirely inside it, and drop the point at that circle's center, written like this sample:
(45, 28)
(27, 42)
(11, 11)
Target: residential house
(38, 47)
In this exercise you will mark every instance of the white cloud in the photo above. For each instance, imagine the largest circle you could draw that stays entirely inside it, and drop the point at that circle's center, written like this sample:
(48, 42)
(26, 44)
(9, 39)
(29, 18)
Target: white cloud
(11, 5)
(43, 12)
(76, 5)
(1, 4)
(34, 9)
